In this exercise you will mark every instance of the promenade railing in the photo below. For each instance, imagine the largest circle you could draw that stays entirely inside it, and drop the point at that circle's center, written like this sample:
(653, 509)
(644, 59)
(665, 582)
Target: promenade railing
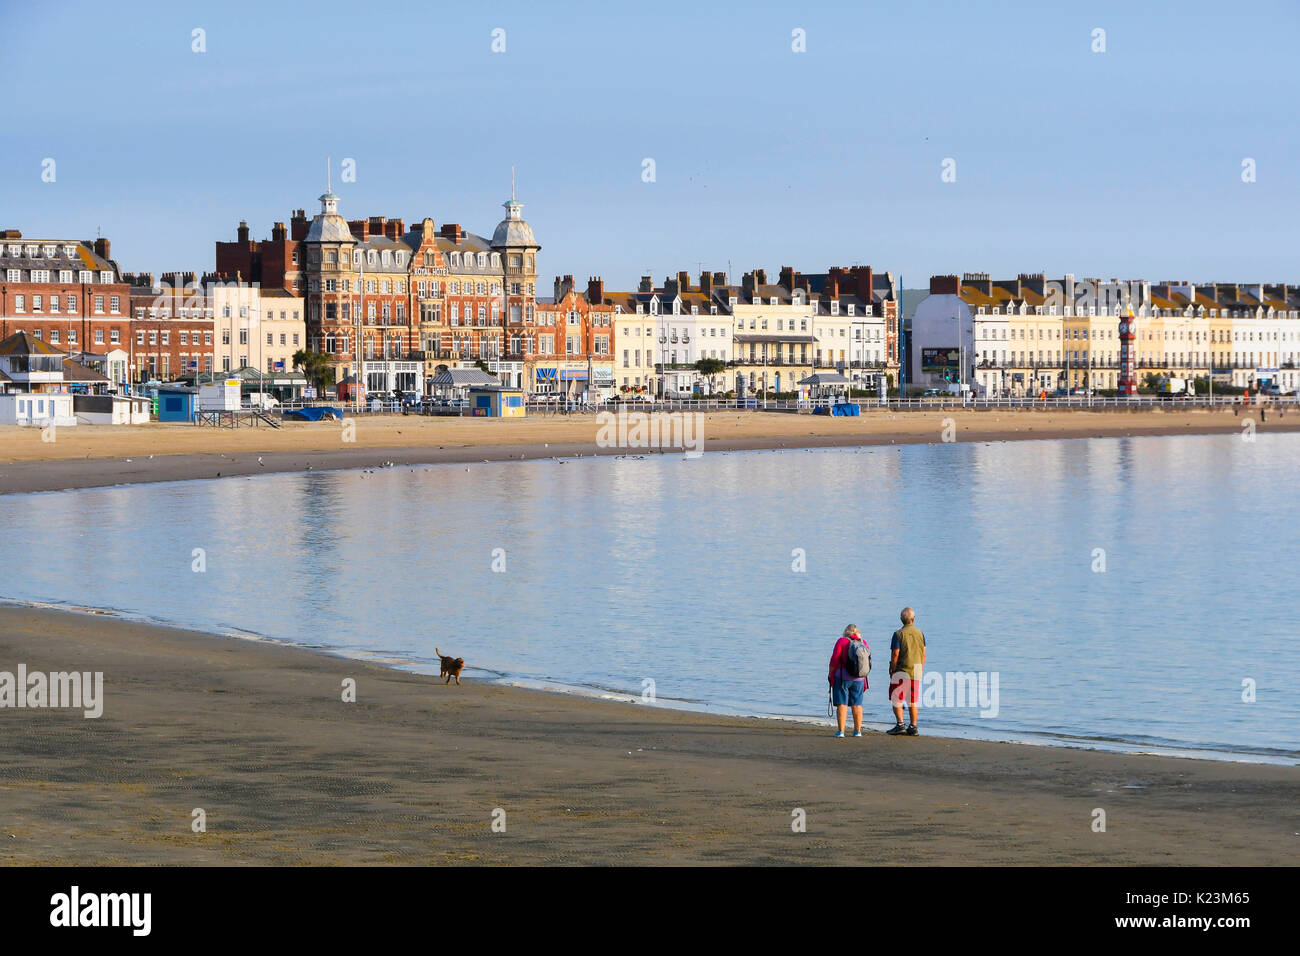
(933, 403)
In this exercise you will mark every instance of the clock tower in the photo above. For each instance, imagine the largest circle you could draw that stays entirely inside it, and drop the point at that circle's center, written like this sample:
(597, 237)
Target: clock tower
(1127, 336)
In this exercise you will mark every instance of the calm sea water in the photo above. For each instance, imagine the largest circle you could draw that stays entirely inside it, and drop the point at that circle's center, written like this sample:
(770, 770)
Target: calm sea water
(684, 572)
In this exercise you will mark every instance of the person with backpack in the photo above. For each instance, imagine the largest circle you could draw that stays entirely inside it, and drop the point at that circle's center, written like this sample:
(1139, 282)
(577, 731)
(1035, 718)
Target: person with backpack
(850, 664)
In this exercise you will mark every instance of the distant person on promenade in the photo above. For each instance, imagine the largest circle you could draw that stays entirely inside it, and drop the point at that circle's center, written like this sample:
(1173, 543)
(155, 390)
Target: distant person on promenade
(906, 662)
(850, 661)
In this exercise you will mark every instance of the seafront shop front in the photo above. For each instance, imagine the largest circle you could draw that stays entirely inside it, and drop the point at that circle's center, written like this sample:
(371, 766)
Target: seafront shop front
(573, 381)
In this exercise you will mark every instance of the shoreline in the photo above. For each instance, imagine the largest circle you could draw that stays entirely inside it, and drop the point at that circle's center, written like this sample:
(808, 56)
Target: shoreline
(619, 697)
(101, 456)
(256, 735)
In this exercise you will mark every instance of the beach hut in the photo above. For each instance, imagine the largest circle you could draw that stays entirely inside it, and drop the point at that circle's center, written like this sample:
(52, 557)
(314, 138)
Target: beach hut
(177, 403)
(496, 401)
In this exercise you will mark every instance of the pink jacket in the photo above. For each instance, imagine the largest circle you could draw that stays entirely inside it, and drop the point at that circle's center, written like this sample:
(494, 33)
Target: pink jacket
(836, 671)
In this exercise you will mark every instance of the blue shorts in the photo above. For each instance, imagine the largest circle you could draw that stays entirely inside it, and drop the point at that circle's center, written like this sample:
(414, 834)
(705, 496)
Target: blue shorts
(848, 693)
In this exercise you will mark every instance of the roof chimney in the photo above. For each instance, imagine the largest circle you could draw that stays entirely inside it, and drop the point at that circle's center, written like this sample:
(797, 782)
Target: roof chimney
(243, 230)
(683, 281)
(596, 290)
(787, 276)
(646, 285)
(706, 283)
(103, 249)
(278, 232)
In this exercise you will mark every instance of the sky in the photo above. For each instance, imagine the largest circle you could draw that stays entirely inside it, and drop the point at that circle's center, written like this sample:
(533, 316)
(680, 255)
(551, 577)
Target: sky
(1124, 162)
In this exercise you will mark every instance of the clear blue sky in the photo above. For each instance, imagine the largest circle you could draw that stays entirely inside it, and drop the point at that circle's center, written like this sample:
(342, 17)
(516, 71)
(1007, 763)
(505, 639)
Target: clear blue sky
(1125, 163)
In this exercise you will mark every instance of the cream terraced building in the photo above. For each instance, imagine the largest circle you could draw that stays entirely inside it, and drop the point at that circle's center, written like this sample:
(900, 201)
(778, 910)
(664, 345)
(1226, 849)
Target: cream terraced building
(254, 327)
(1032, 335)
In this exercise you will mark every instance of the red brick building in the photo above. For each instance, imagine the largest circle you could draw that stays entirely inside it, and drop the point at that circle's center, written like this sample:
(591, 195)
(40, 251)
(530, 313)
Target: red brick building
(67, 293)
(568, 350)
(272, 263)
(414, 298)
(171, 327)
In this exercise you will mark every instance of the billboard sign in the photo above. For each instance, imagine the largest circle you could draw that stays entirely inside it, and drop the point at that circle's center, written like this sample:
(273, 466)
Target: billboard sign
(937, 360)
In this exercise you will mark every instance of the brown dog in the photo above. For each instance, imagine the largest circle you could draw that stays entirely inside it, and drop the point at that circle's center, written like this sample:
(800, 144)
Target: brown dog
(451, 667)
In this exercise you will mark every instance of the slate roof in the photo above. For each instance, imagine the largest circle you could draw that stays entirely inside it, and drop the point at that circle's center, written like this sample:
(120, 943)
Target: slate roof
(23, 343)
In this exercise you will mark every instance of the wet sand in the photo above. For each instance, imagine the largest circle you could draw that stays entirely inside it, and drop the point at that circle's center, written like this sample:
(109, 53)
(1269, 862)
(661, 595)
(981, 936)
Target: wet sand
(257, 736)
(90, 456)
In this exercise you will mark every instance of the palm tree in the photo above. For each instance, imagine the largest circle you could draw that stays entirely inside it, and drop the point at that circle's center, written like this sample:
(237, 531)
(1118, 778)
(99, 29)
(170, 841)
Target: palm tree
(710, 368)
(316, 368)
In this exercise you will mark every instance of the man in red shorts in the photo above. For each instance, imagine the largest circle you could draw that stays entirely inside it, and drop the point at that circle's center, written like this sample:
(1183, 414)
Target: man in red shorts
(906, 663)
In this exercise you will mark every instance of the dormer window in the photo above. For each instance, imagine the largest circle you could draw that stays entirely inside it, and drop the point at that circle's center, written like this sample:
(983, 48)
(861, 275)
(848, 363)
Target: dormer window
(851, 307)
(401, 258)
(49, 251)
(835, 307)
(69, 252)
(482, 260)
(695, 310)
(772, 300)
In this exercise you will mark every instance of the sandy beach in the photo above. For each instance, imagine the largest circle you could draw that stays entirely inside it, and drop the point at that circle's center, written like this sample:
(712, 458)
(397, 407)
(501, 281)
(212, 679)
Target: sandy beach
(412, 772)
(89, 456)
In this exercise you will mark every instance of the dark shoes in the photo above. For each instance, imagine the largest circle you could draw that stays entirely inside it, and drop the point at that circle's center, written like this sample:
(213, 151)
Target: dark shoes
(895, 730)
(912, 731)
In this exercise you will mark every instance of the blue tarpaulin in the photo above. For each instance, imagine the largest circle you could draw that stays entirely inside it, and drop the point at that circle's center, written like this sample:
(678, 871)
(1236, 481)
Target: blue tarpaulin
(846, 409)
(315, 413)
